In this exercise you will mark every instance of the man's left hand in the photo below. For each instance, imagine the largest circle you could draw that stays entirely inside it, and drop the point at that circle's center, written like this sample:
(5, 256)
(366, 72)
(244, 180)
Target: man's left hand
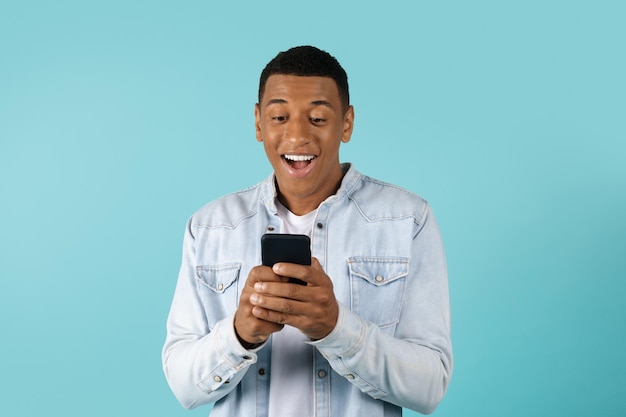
(312, 308)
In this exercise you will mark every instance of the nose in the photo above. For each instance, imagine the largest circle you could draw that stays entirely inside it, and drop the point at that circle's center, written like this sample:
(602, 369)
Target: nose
(297, 130)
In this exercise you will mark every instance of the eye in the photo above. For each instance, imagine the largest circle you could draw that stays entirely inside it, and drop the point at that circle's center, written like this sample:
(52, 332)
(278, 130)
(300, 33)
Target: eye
(317, 120)
(279, 119)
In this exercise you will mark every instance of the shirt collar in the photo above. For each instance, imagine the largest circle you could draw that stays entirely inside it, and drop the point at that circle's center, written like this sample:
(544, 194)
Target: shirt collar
(350, 178)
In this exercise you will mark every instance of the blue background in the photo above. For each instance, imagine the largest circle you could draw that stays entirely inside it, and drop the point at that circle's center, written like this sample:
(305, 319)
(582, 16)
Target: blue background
(120, 119)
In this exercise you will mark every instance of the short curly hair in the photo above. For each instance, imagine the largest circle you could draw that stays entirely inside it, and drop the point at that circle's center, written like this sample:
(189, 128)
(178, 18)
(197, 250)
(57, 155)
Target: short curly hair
(307, 61)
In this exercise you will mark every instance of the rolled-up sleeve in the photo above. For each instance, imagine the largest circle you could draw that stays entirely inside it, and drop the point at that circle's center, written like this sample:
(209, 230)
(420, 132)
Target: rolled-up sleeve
(411, 368)
(201, 365)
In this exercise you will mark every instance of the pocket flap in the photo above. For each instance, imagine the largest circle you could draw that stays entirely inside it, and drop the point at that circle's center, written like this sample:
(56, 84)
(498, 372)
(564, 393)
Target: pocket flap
(218, 277)
(378, 271)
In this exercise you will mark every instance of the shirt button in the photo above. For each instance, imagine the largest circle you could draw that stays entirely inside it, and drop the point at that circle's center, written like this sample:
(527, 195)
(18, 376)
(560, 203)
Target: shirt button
(262, 371)
(217, 378)
(320, 226)
(350, 376)
(321, 374)
(379, 278)
(220, 287)
(270, 229)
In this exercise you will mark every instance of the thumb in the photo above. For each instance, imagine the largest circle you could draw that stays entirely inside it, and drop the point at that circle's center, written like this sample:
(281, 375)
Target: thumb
(315, 263)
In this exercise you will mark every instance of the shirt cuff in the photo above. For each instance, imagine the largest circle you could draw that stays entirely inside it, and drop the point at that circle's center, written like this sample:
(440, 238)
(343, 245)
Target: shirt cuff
(234, 358)
(345, 339)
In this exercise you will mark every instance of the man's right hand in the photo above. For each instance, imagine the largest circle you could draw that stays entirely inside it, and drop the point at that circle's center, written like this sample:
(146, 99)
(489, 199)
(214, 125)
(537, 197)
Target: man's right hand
(251, 330)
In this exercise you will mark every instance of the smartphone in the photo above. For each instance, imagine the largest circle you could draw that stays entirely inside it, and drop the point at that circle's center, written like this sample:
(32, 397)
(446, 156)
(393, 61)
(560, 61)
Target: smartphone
(280, 247)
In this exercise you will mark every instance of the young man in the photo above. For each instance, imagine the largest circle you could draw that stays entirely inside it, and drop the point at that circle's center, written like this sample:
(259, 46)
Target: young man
(369, 333)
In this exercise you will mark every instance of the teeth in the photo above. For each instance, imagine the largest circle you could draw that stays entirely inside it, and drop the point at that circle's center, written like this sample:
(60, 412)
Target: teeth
(299, 157)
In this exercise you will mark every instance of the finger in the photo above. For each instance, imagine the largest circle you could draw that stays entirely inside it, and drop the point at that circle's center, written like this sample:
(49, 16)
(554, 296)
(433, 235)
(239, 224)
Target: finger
(270, 316)
(277, 304)
(315, 263)
(313, 274)
(315, 327)
(262, 273)
(251, 330)
(302, 272)
(281, 289)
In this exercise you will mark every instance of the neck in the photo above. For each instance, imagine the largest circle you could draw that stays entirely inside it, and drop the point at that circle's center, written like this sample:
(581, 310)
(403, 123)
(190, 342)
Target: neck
(299, 206)
(303, 203)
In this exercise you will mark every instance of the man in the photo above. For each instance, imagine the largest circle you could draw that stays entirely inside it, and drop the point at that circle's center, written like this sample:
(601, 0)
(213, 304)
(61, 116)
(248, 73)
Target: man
(369, 333)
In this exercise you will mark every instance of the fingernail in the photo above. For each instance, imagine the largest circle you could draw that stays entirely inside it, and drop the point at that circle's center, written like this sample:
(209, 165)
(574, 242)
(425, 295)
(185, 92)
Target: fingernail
(259, 286)
(254, 299)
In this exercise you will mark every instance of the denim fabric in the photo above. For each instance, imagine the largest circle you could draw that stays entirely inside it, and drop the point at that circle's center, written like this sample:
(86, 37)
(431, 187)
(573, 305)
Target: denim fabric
(391, 346)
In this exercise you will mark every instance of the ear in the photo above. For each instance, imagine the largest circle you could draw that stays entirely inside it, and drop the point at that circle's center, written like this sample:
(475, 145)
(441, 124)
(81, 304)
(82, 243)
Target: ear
(348, 125)
(257, 122)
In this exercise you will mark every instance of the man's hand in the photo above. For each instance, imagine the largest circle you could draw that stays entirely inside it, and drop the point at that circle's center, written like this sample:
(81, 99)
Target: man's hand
(312, 308)
(250, 329)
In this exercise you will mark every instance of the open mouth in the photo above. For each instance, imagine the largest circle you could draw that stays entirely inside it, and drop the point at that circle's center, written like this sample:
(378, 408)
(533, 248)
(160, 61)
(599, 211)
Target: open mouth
(298, 161)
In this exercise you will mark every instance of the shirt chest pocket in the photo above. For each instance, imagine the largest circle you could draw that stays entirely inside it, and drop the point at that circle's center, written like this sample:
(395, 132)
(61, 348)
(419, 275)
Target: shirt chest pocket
(377, 288)
(217, 290)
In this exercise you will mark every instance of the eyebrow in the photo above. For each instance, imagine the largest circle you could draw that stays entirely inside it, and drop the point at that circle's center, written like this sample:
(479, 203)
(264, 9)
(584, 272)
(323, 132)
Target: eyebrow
(322, 103)
(276, 101)
(315, 102)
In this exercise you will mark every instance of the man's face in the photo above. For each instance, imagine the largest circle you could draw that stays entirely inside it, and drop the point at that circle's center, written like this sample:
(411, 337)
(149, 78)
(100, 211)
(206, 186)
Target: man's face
(301, 123)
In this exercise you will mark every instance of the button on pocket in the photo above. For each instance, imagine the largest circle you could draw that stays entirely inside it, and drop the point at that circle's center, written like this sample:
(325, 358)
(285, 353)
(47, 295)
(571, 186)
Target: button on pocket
(216, 289)
(377, 288)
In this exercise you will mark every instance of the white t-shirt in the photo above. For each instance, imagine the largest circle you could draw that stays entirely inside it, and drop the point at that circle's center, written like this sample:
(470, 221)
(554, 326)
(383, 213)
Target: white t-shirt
(291, 372)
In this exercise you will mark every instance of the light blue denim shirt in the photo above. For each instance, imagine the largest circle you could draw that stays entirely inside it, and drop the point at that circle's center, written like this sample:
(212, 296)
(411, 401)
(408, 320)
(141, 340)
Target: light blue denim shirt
(391, 346)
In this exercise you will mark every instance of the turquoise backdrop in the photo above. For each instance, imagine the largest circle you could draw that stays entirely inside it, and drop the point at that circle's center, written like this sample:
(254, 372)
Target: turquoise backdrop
(118, 119)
